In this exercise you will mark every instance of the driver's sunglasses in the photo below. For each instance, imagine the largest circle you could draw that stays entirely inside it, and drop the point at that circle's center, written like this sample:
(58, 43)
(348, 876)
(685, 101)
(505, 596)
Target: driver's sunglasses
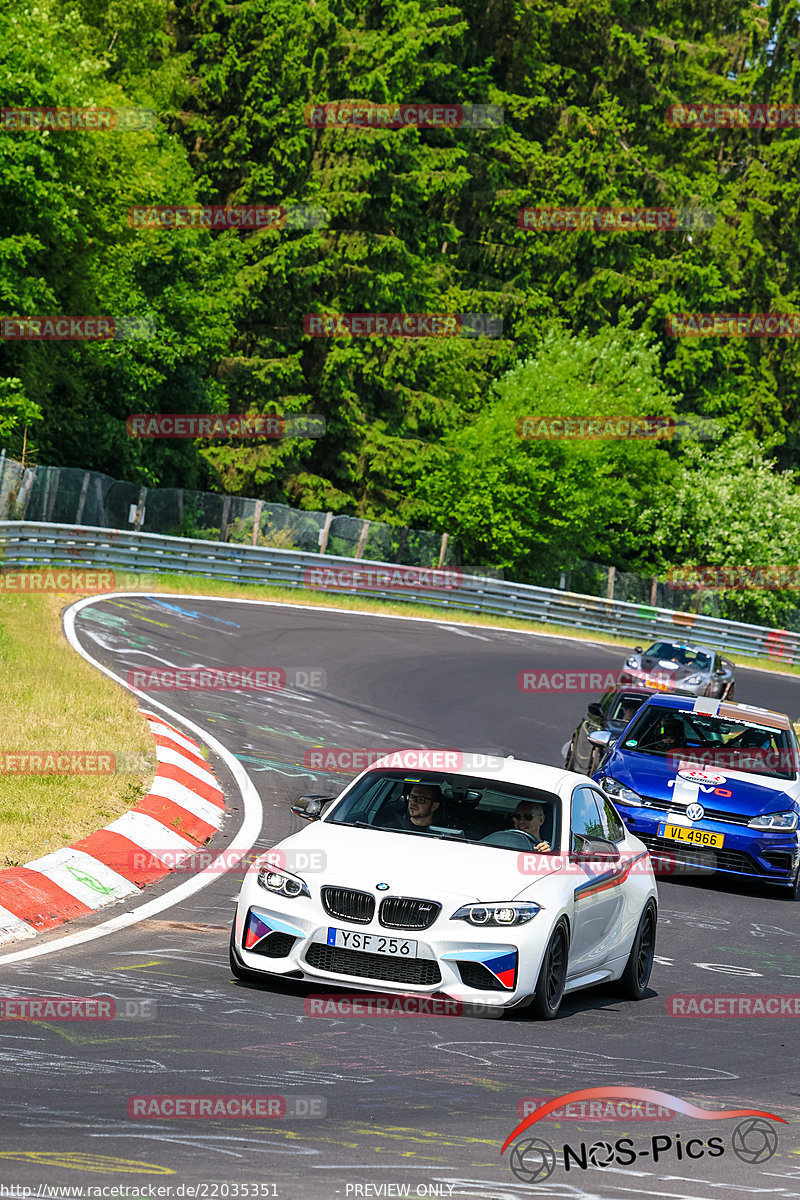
(525, 816)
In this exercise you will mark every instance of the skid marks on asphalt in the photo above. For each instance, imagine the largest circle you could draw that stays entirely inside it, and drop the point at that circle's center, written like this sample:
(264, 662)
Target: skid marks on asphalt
(561, 1061)
(27, 1060)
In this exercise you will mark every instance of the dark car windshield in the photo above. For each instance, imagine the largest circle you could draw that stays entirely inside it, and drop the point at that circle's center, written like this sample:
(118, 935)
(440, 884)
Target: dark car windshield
(684, 656)
(624, 707)
(470, 810)
(690, 739)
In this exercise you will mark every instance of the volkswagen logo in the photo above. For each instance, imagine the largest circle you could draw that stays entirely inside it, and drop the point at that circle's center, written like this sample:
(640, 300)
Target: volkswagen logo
(695, 812)
(381, 887)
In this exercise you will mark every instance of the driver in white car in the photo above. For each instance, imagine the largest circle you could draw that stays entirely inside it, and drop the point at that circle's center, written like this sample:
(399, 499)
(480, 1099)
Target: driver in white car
(528, 818)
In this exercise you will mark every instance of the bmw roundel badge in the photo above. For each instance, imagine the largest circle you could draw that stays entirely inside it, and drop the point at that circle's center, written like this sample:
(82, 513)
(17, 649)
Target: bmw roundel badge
(381, 887)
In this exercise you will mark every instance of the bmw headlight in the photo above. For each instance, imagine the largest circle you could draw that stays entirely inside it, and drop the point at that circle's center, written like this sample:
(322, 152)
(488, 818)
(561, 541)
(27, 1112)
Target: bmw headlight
(282, 883)
(693, 680)
(632, 661)
(497, 913)
(783, 821)
(618, 791)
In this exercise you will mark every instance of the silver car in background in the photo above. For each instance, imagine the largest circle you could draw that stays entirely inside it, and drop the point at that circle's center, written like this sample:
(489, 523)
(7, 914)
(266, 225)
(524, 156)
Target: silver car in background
(680, 669)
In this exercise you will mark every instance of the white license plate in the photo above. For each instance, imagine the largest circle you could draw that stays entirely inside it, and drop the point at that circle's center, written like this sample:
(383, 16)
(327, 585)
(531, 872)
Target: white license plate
(373, 943)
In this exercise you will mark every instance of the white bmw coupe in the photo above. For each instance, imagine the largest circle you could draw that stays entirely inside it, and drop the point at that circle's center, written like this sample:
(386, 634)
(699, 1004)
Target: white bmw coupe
(507, 886)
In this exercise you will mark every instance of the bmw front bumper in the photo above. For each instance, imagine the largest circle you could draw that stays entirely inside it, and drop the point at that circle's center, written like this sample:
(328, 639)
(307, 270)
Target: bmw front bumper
(452, 958)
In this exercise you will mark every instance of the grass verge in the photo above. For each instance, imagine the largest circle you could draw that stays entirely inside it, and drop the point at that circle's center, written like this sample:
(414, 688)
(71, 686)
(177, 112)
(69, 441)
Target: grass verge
(55, 701)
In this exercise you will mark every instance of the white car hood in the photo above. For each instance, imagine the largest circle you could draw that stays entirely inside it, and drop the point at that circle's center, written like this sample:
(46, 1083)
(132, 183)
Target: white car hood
(416, 865)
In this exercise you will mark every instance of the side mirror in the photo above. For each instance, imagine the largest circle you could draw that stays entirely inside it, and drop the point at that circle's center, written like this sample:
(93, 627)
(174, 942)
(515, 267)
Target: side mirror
(310, 807)
(637, 649)
(603, 738)
(594, 849)
(595, 710)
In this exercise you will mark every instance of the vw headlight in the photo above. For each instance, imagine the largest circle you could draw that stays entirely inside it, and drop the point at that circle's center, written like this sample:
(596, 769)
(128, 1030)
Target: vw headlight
(618, 791)
(632, 661)
(693, 680)
(497, 913)
(282, 883)
(784, 821)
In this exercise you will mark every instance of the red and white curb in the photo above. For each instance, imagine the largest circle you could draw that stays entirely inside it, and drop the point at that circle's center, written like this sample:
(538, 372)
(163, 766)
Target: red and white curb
(183, 808)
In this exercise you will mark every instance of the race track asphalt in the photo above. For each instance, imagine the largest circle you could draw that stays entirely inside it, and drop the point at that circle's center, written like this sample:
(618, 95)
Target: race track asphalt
(413, 1106)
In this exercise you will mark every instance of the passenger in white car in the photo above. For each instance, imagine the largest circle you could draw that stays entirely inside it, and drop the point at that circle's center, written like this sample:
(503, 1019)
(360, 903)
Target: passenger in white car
(421, 804)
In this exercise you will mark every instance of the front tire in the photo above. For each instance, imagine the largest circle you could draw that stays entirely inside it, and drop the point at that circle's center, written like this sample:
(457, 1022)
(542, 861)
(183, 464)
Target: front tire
(552, 976)
(792, 892)
(633, 982)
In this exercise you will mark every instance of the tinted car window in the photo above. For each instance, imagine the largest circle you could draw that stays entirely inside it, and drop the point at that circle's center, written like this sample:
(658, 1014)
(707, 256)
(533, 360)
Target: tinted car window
(613, 828)
(684, 656)
(469, 806)
(622, 702)
(585, 820)
(713, 742)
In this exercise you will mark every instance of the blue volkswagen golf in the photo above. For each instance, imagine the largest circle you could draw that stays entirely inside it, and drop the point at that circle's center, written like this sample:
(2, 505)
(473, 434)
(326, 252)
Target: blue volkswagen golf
(708, 785)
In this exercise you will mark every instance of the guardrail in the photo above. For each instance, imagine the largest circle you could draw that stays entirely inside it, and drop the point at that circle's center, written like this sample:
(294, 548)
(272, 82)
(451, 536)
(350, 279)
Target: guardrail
(32, 544)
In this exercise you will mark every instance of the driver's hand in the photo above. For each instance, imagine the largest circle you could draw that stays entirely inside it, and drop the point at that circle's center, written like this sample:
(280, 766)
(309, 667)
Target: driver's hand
(543, 847)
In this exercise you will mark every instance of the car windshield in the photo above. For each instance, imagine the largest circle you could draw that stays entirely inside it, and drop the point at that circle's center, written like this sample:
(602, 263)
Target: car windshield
(469, 810)
(624, 707)
(713, 743)
(684, 656)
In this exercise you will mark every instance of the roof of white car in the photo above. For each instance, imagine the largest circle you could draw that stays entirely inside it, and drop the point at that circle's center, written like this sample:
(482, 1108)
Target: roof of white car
(493, 768)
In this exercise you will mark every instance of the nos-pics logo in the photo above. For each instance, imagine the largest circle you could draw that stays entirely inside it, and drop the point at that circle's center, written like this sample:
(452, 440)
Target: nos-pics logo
(753, 1139)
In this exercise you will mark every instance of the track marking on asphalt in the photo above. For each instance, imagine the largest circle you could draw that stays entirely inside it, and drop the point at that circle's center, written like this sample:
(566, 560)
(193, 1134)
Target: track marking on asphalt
(78, 1161)
(87, 1039)
(244, 839)
(138, 966)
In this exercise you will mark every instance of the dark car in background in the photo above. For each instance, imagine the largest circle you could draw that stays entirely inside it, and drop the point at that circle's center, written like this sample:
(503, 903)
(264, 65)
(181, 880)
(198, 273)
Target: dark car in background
(681, 669)
(613, 711)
